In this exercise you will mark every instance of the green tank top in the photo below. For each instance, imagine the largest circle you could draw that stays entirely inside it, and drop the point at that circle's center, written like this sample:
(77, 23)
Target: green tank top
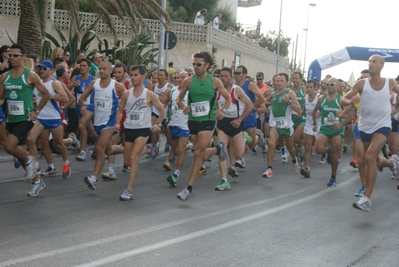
(278, 106)
(300, 95)
(19, 97)
(328, 111)
(201, 98)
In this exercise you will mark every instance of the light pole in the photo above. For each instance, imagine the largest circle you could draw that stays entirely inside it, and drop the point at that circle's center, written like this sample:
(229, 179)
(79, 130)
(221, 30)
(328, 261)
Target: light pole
(306, 39)
(161, 39)
(279, 37)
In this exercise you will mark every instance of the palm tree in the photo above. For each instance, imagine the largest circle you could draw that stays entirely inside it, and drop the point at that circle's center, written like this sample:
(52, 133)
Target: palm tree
(32, 22)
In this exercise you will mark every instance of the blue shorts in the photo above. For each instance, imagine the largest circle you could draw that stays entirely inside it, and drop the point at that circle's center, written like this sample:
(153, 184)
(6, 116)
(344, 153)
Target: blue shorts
(1, 116)
(366, 138)
(50, 124)
(356, 132)
(176, 132)
(250, 121)
(98, 129)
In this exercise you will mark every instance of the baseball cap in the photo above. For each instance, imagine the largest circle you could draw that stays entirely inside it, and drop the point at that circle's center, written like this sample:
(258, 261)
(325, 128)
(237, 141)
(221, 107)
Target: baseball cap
(97, 55)
(260, 74)
(217, 71)
(47, 64)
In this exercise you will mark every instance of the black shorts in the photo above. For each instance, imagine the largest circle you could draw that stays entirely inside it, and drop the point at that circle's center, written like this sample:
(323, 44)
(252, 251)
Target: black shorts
(132, 134)
(20, 130)
(153, 114)
(225, 126)
(259, 123)
(199, 126)
(395, 125)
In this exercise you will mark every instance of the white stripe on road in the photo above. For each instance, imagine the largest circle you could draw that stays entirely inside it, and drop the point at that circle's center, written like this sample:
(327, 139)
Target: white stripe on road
(182, 238)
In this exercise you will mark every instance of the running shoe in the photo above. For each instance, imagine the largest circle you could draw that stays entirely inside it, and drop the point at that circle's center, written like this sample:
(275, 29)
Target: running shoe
(155, 151)
(91, 182)
(81, 156)
(109, 175)
(268, 173)
(261, 138)
(31, 168)
(363, 204)
(322, 160)
(345, 148)
(332, 182)
(36, 188)
(50, 172)
(361, 191)
(203, 171)
(232, 171)
(75, 142)
(353, 163)
(220, 151)
(184, 194)
(94, 153)
(66, 170)
(167, 166)
(240, 163)
(295, 166)
(224, 185)
(172, 180)
(17, 164)
(329, 155)
(284, 155)
(167, 148)
(395, 170)
(126, 169)
(126, 195)
(305, 172)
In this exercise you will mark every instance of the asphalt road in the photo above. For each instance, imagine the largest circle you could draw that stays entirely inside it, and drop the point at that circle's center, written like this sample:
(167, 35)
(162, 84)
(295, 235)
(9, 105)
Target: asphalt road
(283, 221)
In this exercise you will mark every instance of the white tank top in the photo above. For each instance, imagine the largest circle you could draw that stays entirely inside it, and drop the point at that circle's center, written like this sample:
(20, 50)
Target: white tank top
(50, 111)
(138, 114)
(158, 91)
(105, 103)
(375, 108)
(177, 117)
(309, 107)
(236, 107)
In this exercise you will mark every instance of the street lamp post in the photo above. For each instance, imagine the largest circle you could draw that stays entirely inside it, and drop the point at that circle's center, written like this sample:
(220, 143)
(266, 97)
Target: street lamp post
(306, 38)
(279, 37)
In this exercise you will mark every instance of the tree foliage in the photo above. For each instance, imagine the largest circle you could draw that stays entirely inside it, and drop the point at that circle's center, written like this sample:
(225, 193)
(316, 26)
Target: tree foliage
(270, 41)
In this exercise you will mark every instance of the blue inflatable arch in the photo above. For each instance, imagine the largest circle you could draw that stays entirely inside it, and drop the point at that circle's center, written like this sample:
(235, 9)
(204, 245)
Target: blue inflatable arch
(349, 53)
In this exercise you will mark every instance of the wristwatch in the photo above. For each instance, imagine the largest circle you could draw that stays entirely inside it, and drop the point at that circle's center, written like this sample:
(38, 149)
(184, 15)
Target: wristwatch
(36, 111)
(289, 102)
(224, 110)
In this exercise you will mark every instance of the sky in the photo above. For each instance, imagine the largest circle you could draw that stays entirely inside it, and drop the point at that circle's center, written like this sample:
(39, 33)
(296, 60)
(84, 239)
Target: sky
(333, 25)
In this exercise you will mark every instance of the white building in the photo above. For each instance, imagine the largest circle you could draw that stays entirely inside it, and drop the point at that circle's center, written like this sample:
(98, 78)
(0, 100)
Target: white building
(234, 4)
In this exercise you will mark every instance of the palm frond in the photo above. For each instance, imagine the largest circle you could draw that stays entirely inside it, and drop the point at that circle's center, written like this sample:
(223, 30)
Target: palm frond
(72, 8)
(41, 8)
(103, 14)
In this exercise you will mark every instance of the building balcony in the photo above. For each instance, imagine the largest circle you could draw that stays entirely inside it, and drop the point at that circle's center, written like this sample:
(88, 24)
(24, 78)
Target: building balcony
(249, 3)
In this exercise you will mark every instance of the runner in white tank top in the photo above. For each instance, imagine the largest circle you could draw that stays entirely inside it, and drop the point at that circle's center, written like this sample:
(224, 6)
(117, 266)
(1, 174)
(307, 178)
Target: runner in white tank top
(105, 91)
(374, 124)
(177, 123)
(137, 102)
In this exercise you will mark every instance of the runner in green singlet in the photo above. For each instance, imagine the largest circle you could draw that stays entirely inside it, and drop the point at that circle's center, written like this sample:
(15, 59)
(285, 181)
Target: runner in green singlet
(299, 121)
(283, 103)
(202, 114)
(17, 85)
(331, 126)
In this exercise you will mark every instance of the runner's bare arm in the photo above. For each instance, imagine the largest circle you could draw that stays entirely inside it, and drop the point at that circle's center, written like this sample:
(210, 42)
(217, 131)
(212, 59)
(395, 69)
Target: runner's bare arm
(394, 85)
(121, 108)
(218, 85)
(158, 105)
(119, 88)
(294, 104)
(351, 97)
(247, 102)
(2, 93)
(183, 89)
(316, 109)
(34, 80)
(62, 96)
(259, 100)
(71, 98)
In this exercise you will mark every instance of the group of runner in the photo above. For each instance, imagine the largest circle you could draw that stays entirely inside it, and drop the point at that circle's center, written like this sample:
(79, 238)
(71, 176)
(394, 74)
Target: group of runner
(221, 113)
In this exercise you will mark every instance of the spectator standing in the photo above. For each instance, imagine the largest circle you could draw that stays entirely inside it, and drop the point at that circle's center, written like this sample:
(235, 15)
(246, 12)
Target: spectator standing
(170, 70)
(200, 17)
(217, 21)
(4, 59)
(229, 30)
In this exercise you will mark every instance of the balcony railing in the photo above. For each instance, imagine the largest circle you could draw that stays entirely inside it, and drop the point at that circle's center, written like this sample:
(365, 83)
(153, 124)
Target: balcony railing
(249, 3)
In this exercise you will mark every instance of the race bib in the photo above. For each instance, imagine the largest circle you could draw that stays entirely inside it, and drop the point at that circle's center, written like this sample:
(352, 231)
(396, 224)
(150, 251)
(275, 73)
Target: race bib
(135, 117)
(86, 102)
(103, 104)
(15, 107)
(281, 122)
(309, 112)
(331, 120)
(199, 109)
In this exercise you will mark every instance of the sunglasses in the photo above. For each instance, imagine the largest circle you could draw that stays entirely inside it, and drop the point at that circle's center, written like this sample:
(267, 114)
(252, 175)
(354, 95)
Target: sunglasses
(42, 68)
(259, 79)
(6, 51)
(15, 54)
(330, 84)
(216, 75)
(198, 64)
(237, 73)
(67, 55)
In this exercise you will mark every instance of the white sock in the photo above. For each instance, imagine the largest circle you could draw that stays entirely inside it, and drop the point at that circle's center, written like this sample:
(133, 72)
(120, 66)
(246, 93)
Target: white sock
(66, 162)
(111, 167)
(51, 165)
(176, 173)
